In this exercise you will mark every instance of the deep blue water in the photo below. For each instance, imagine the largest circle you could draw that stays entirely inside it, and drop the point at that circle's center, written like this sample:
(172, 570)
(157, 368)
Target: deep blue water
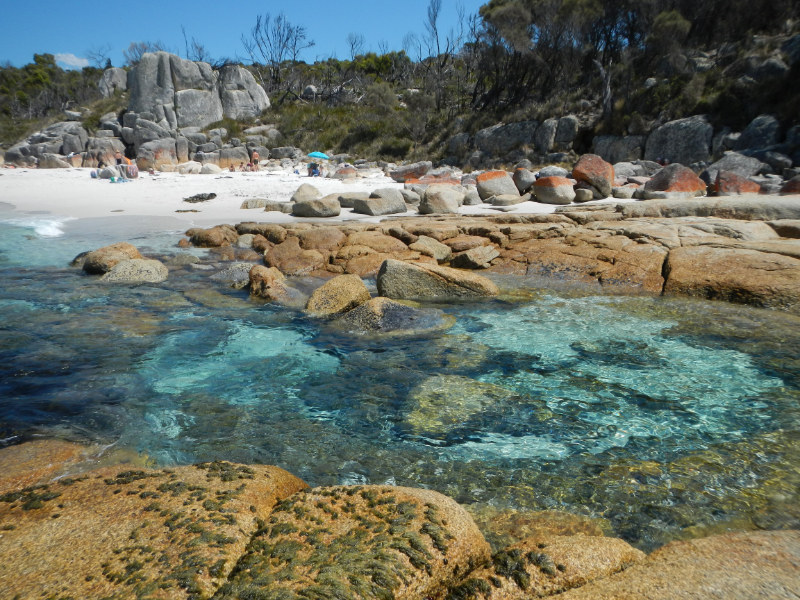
(662, 417)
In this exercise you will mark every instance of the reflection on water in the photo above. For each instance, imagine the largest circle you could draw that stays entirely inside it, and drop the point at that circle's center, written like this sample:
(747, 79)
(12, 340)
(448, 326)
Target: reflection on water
(664, 417)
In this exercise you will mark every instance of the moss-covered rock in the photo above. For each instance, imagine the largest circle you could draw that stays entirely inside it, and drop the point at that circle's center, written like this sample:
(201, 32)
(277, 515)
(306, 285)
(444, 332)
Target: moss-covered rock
(132, 533)
(359, 542)
(534, 569)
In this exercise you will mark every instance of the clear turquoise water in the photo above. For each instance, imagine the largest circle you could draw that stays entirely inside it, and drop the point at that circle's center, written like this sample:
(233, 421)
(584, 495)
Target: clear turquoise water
(662, 417)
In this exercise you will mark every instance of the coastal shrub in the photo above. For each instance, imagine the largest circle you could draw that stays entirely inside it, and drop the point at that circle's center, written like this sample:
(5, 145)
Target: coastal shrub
(116, 103)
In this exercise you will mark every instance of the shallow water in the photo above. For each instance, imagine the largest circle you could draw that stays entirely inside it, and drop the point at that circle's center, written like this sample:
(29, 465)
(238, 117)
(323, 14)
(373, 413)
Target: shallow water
(663, 417)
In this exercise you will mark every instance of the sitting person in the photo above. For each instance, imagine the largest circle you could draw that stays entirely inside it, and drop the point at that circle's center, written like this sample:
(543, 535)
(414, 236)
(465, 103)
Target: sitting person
(231, 168)
(313, 169)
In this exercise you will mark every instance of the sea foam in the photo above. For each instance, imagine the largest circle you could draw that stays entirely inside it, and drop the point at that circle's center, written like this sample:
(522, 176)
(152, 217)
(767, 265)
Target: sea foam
(42, 226)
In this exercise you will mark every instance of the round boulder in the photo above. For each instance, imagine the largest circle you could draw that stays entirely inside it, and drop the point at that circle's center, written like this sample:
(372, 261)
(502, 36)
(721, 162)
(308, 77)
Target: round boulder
(104, 259)
(441, 200)
(524, 179)
(305, 192)
(674, 181)
(791, 187)
(593, 170)
(495, 183)
(554, 190)
(323, 207)
(339, 295)
(731, 184)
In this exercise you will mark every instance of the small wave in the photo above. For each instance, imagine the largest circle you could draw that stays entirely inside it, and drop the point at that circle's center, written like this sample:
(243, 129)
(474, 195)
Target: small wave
(42, 226)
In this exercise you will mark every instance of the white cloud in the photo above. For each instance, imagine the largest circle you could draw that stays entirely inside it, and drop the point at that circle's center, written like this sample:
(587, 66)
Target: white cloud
(70, 61)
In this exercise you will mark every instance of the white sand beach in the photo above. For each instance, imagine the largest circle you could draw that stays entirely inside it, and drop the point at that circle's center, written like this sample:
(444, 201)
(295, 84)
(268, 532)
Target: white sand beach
(69, 194)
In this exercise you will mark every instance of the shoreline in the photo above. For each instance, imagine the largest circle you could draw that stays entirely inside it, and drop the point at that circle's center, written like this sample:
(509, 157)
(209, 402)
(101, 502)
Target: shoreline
(68, 194)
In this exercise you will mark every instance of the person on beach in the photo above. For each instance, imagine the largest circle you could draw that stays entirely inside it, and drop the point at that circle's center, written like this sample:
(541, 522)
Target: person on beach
(255, 160)
(118, 157)
(313, 169)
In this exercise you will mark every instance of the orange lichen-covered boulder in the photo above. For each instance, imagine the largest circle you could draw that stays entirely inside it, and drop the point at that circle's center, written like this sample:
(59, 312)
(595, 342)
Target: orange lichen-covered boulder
(731, 184)
(496, 183)
(674, 181)
(554, 190)
(596, 172)
(104, 259)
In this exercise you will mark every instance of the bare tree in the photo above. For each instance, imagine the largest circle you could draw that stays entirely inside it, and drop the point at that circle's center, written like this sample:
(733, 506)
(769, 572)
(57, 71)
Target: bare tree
(355, 43)
(441, 49)
(195, 50)
(134, 52)
(273, 42)
(99, 56)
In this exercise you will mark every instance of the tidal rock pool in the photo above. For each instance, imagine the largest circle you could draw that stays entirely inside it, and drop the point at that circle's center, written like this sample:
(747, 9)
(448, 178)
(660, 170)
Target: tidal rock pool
(659, 418)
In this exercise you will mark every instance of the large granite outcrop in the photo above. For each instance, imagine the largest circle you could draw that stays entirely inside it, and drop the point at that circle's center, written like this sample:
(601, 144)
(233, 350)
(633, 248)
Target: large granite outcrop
(684, 141)
(184, 93)
(114, 79)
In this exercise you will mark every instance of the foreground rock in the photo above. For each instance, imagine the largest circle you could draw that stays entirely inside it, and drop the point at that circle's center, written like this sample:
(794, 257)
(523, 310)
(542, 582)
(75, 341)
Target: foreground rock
(360, 542)
(545, 568)
(416, 281)
(736, 566)
(173, 533)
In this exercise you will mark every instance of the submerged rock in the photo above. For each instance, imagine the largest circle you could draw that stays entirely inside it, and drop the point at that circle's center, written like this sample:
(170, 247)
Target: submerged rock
(381, 315)
(236, 276)
(137, 270)
(442, 403)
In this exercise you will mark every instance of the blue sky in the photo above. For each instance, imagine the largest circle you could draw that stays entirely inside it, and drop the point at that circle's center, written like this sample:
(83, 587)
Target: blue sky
(70, 30)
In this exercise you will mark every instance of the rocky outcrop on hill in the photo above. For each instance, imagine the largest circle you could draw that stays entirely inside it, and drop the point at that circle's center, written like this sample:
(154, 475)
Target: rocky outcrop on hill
(171, 100)
(184, 93)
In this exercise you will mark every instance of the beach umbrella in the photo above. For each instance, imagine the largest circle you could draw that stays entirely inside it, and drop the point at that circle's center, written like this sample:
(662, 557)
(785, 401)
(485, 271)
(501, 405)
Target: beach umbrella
(319, 155)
